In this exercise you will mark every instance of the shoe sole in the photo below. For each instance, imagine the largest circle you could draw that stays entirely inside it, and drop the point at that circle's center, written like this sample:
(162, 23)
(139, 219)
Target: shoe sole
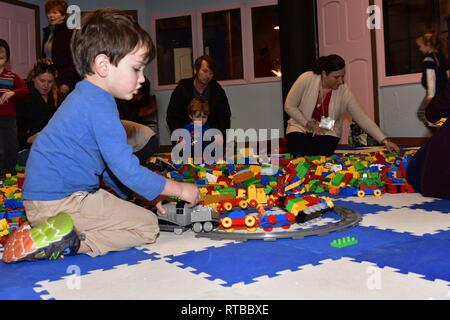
(39, 242)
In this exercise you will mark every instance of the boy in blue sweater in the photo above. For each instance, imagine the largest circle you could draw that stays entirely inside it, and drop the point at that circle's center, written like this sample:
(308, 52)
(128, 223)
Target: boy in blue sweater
(85, 141)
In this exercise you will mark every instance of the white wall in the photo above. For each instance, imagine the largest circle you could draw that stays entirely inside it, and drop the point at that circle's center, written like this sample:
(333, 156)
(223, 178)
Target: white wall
(260, 105)
(398, 110)
(256, 106)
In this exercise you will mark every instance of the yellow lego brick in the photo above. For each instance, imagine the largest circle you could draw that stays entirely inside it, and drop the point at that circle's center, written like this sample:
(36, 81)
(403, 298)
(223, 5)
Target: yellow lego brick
(319, 170)
(217, 173)
(261, 195)
(255, 169)
(292, 186)
(241, 193)
(202, 175)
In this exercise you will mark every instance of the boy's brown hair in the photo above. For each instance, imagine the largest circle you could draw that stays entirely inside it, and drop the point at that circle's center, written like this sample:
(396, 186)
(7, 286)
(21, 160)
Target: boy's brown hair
(198, 106)
(111, 32)
(58, 5)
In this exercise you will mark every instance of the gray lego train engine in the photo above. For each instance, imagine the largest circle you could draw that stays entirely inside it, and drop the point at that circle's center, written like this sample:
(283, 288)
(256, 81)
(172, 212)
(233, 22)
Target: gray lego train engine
(179, 217)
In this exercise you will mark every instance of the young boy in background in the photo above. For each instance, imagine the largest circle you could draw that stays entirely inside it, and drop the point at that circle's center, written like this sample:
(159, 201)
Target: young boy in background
(12, 87)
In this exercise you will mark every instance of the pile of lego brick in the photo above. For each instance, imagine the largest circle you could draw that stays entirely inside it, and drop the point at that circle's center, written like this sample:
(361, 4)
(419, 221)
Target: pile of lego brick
(347, 174)
(12, 212)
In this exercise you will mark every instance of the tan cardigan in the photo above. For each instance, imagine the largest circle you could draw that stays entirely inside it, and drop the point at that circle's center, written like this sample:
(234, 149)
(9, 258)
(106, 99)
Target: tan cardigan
(302, 99)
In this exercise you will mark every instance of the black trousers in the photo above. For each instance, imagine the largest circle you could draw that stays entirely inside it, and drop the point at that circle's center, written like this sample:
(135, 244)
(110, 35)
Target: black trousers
(304, 144)
(9, 145)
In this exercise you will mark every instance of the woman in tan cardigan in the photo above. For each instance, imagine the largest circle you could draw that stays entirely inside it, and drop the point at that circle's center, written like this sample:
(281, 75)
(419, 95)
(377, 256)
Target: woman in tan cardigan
(316, 104)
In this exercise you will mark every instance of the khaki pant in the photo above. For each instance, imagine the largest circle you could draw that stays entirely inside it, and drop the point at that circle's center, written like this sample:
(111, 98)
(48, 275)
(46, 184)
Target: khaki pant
(107, 222)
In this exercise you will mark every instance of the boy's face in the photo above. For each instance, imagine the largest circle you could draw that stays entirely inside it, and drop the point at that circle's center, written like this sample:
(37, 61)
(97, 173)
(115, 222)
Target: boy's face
(199, 118)
(125, 80)
(2, 57)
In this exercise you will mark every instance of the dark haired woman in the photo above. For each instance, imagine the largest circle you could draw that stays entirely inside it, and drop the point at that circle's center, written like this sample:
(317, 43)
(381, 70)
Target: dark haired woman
(316, 104)
(34, 112)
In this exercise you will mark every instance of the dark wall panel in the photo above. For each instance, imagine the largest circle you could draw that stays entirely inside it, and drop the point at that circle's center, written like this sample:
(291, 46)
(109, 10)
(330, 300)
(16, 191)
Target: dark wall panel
(298, 40)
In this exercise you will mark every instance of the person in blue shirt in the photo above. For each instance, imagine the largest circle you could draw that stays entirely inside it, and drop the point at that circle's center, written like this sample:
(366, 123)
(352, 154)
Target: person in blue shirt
(198, 111)
(85, 141)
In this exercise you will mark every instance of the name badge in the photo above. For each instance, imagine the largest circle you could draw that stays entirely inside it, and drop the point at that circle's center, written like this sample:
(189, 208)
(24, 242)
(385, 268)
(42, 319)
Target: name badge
(326, 123)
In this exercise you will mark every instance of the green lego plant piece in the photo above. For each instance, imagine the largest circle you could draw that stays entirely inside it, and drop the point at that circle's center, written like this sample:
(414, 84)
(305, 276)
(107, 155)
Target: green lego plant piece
(344, 242)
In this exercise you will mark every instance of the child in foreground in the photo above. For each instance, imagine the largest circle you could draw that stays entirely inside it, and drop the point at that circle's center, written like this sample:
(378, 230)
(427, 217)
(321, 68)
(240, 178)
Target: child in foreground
(85, 141)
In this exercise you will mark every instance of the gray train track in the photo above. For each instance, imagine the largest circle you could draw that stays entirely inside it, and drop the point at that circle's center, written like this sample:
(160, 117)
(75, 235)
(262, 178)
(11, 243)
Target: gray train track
(349, 218)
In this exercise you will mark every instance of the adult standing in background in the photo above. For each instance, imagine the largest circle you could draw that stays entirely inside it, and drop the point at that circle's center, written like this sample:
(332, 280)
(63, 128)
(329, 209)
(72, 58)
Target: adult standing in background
(316, 104)
(202, 85)
(428, 170)
(56, 45)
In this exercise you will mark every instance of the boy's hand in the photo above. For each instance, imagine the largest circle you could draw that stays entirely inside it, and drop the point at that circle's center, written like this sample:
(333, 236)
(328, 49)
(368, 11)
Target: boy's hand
(183, 191)
(190, 194)
(6, 96)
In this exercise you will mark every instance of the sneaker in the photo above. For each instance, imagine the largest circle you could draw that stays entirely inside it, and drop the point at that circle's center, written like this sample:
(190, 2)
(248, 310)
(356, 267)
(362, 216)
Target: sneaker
(51, 240)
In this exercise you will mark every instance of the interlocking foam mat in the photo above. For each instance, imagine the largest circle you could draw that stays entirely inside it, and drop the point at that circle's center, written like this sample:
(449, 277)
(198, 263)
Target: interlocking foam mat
(402, 253)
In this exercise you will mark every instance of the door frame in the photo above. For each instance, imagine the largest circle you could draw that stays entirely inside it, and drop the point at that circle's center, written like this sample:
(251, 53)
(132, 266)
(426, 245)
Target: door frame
(37, 23)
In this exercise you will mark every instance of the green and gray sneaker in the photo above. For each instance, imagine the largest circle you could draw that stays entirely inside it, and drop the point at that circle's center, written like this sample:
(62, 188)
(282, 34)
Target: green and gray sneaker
(51, 240)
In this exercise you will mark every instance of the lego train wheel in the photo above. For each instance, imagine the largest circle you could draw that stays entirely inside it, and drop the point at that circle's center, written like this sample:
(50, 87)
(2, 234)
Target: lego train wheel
(272, 219)
(197, 227)
(208, 226)
(252, 229)
(290, 217)
(243, 204)
(226, 222)
(270, 202)
(377, 193)
(250, 221)
(286, 226)
(361, 193)
(227, 206)
(253, 203)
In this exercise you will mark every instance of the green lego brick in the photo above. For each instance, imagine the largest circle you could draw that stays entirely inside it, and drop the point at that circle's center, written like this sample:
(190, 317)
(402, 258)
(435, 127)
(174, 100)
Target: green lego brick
(344, 242)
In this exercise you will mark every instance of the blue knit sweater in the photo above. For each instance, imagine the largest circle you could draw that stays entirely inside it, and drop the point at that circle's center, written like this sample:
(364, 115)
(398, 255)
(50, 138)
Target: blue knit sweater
(83, 139)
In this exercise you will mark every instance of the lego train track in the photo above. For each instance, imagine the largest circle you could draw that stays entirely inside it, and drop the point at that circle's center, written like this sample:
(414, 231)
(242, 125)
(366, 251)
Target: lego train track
(349, 218)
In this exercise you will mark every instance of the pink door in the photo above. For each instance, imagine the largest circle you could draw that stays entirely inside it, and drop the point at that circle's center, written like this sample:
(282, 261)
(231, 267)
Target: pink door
(342, 30)
(17, 26)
